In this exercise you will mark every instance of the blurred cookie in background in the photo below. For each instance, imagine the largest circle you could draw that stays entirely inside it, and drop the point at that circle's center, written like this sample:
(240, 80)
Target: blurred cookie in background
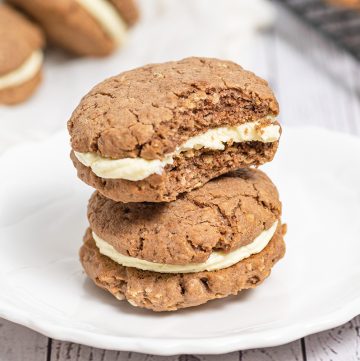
(353, 4)
(83, 27)
(21, 56)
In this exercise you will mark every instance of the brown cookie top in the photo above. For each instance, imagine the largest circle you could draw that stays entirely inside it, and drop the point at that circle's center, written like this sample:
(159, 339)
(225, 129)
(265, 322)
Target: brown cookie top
(19, 39)
(148, 111)
(169, 292)
(225, 214)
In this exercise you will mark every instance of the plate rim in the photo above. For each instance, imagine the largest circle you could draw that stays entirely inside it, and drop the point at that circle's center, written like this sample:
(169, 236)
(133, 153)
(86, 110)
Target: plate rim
(174, 346)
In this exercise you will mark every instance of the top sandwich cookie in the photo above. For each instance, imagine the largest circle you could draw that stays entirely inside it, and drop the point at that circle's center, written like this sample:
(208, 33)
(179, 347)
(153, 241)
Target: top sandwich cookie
(84, 27)
(154, 132)
(21, 56)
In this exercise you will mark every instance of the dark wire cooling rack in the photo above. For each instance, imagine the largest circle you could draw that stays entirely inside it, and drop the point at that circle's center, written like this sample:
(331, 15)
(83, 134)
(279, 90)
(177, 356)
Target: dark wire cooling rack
(340, 24)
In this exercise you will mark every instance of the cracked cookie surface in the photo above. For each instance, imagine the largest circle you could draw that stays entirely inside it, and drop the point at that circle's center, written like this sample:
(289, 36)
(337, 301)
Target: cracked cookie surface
(169, 292)
(227, 213)
(148, 111)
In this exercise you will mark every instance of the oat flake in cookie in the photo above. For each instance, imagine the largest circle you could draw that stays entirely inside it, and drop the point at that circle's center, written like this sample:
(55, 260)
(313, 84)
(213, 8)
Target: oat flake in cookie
(152, 133)
(209, 243)
(21, 56)
(84, 27)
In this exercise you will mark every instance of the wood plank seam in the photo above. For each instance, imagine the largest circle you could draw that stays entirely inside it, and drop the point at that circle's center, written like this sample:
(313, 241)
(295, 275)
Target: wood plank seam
(303, 349)
(49, 349)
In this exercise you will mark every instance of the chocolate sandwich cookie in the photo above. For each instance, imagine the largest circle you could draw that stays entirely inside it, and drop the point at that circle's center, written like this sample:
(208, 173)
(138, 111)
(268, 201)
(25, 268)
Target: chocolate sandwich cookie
(21, 56)
(84, 27)
(209, 243)
(152, 133)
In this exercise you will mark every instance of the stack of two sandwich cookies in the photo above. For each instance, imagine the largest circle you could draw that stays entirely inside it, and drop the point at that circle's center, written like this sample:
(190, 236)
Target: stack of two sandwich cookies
(178, 217)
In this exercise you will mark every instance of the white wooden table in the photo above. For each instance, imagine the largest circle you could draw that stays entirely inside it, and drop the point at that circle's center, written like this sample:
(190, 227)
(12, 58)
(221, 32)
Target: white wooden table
(296, 61)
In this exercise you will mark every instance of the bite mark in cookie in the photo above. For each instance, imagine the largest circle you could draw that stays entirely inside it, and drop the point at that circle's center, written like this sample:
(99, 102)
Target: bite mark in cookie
(160, 127)
(186, 174)
(135, 169)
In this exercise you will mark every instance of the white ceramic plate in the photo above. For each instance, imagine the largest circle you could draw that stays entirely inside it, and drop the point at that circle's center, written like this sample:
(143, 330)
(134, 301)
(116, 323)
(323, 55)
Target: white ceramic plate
(315, 287)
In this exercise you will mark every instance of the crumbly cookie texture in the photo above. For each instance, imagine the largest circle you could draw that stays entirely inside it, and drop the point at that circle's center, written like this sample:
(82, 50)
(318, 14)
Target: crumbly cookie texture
(69, 25)
(188, 172)
(170, 292)
(227, 213)
(19, 39)
(148, 111)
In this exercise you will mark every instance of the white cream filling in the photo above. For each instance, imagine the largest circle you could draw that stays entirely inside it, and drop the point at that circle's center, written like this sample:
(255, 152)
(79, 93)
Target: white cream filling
(24, 73)
(107, 16)
(216, 261)
(135, 169)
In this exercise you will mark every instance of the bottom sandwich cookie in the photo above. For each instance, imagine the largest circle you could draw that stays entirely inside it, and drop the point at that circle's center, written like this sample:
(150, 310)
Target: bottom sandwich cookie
(173, 291)
(209, 243)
